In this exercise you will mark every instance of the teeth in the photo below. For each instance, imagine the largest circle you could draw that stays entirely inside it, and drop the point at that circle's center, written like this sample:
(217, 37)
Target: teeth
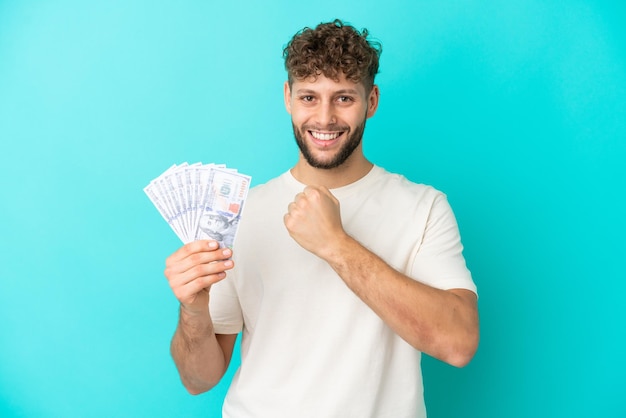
(325, 137)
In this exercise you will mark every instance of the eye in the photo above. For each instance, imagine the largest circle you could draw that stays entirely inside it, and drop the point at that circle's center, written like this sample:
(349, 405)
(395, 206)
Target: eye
(345, 99)
(307, 99)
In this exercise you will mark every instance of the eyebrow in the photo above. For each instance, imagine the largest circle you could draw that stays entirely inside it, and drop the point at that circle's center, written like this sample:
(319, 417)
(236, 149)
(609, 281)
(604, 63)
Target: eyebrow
(342, 91)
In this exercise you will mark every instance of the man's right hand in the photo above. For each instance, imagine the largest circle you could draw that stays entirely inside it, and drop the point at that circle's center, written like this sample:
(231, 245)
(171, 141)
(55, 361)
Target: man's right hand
(191, 271)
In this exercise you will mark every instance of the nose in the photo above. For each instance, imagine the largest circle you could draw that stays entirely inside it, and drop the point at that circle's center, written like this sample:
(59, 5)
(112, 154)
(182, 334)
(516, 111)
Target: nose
(326, 114)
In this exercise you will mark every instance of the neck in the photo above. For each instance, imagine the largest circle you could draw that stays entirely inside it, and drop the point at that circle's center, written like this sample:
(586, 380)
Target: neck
(347, 173)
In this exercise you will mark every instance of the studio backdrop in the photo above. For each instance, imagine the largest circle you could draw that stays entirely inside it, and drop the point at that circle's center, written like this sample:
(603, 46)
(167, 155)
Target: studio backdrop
(516, 110)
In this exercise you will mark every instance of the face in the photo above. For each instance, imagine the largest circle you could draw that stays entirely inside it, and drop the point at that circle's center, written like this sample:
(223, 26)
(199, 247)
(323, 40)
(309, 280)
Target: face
(213, 223)
(328, 118)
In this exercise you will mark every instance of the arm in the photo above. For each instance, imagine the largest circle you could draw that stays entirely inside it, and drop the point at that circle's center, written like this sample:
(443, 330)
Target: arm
(441, 323)
(200, 355)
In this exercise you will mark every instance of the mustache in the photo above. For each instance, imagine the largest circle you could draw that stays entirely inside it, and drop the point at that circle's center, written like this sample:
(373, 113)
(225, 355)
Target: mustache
(328, 128)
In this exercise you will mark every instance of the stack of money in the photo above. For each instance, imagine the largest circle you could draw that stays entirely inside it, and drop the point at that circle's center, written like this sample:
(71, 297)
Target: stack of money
(200, 201)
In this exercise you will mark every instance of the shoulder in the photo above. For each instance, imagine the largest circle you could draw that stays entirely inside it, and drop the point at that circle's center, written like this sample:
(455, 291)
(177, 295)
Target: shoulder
(397, 187)
(270, 188)
(275, 193)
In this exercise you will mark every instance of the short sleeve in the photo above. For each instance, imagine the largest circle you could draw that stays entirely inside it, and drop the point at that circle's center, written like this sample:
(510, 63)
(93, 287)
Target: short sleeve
(225, 308)
(438, 261)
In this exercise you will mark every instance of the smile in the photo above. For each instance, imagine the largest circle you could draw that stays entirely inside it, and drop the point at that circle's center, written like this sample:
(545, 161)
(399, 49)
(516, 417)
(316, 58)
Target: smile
(325, 136)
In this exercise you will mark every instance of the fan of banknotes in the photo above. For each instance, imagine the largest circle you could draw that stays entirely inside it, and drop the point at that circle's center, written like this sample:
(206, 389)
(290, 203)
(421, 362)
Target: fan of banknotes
(200, 201)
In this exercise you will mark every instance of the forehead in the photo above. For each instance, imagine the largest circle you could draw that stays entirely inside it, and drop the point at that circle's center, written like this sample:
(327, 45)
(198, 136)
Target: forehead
(322, 84)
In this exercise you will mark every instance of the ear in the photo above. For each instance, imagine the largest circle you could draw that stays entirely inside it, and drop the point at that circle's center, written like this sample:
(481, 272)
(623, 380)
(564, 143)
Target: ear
(372, 101)
(287, 93)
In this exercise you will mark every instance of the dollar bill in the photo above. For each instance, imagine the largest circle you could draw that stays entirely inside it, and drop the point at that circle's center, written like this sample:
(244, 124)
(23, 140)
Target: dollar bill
(200, 201)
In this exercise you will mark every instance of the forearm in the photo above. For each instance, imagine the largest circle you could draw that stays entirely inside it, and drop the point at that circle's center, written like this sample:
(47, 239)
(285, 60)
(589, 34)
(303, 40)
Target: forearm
(443, 324)
(196, 352)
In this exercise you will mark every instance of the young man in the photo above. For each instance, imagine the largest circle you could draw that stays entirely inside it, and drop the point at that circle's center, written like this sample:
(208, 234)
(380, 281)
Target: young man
(342, 274)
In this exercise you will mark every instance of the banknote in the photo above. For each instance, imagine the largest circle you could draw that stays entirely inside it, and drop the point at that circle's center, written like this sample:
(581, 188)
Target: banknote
(200, 201)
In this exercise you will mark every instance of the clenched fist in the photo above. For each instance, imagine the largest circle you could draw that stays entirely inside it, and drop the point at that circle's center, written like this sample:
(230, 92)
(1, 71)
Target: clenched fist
(313, 220)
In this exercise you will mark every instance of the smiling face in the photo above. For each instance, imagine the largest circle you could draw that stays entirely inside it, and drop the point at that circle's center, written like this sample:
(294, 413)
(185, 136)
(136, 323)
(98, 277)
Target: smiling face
(328, 118)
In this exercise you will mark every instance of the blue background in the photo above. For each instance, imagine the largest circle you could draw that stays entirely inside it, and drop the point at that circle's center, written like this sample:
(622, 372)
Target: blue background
(515, 109)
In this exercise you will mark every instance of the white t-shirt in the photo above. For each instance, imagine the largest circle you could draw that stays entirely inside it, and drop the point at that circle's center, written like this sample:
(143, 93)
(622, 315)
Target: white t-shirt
(310, 347)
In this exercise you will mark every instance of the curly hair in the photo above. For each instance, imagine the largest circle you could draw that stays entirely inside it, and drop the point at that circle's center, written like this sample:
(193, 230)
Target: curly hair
(332, 49)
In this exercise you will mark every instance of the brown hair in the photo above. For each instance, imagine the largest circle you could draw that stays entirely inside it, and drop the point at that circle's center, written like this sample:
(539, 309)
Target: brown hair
(331, 49)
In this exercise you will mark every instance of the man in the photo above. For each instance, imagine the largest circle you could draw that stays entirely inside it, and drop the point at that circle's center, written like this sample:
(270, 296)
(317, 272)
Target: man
(218, 227)
(341, 273)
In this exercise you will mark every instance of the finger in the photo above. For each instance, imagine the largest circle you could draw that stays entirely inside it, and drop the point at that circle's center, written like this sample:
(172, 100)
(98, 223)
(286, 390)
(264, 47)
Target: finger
(197, 259)
(310, 189)
(316, 193)
(289, 222)
(299, 198)
(204, 282)
(291, 207)
(190, 290)
(322, 191)
(178, 280)
(191, 248)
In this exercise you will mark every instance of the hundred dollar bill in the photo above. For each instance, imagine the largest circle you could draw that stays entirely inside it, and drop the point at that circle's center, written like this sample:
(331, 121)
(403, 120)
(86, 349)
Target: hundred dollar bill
(161, 200)
(173, 188)
(222, 206)
(200, 201)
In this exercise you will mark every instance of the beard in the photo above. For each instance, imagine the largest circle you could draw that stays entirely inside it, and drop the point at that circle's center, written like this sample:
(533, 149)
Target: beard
(346, 150)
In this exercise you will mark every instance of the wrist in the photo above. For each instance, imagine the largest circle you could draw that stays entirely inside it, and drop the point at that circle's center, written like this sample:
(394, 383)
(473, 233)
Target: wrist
(336, 249)
(197, 319)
